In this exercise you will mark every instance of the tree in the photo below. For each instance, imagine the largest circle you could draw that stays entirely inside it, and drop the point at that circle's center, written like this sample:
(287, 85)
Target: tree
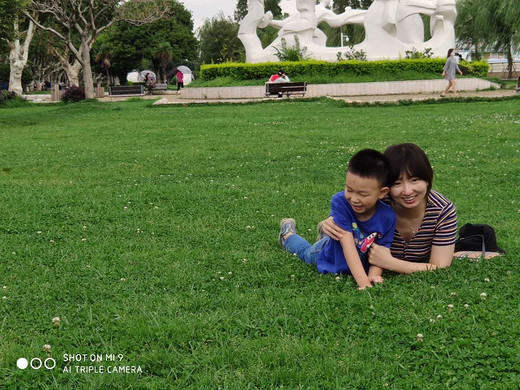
(495, 23)
(163, 54)
(219, 40)
(78, 23)
(270, 5)
(9, 9)
(21, 37)
(130, 44)
(340, 5)
(466, 28)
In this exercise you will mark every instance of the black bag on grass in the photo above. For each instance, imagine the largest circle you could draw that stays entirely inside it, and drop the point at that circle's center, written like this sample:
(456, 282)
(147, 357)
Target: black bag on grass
(477, 237)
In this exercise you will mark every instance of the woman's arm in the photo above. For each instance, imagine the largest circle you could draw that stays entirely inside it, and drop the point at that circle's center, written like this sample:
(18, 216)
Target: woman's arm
(440, 257)
(332, 230)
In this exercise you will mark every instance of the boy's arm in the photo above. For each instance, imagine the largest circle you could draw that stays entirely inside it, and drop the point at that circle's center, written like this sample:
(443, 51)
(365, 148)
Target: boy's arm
(353, 261)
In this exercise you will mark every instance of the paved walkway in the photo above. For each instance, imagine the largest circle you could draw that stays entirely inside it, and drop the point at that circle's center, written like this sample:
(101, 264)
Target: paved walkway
(176, 99)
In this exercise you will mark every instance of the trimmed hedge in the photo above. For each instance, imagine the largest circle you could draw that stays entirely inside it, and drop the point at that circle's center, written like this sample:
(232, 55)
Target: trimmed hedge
(243, 71)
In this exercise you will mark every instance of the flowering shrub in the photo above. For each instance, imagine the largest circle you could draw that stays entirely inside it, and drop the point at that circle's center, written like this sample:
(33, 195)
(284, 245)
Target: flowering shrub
(73, 94)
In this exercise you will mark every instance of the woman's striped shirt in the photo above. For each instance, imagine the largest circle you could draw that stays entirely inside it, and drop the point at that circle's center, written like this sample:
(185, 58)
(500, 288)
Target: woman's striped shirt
(439, 227)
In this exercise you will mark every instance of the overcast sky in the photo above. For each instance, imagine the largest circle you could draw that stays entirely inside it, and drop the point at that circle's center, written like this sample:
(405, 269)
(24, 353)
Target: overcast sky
(202, 9)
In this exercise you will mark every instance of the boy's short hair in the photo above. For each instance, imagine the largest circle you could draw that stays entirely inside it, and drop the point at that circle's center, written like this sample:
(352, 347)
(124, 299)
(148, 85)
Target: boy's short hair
(370, 163)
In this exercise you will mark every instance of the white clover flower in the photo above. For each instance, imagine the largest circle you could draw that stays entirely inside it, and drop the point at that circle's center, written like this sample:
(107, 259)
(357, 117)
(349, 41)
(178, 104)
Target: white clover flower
(125, 208)
(450, 308)
(123, 280)
(244, 261)
(46, 348)
(56, 321)
(4, 297)
(84, 227)
(486, 280)
(466, 306)
(221, 278)
(432, 320)
(84, 239)
(453, 294)
(439, 317)
(337, 278)
(420, 338)
(39, 232)
(4, 288)
(483, 296)
(298, 157)
(230, 273)
(293, 276)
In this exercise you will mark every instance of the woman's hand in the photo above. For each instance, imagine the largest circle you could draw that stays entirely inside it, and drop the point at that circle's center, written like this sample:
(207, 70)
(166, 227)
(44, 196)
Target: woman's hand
(379, 255)
(332, 230)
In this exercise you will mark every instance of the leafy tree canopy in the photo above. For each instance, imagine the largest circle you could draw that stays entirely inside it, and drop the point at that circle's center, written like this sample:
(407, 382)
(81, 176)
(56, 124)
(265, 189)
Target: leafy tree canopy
(219, 40)
(270, 5)
(129, 45)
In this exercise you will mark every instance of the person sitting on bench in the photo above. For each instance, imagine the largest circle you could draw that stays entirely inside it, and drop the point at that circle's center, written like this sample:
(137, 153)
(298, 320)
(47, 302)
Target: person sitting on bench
(279, 77)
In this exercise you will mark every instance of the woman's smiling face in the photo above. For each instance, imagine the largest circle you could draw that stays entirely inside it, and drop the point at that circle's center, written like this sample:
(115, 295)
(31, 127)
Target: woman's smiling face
(409, 192)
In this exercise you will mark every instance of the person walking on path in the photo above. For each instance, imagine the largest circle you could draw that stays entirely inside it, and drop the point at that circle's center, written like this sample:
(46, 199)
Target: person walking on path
(180, 80)
(448, 72)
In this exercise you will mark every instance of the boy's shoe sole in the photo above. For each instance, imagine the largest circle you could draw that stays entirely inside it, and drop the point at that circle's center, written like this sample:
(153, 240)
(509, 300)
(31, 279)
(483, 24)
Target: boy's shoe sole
(287, 225)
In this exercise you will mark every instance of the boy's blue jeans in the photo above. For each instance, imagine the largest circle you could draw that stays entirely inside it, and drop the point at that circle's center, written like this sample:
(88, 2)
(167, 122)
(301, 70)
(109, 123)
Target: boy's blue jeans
(305, 251)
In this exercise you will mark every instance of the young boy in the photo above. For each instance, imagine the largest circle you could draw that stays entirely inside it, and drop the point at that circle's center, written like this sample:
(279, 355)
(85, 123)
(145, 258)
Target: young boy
(358, 210)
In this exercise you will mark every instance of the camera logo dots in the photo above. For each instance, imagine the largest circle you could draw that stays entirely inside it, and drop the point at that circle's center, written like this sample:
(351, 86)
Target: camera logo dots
(36, 363)
(22, 363)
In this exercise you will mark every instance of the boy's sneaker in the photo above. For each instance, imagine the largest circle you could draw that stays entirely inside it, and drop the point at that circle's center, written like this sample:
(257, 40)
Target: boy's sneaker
(287, 225)
(321, 234)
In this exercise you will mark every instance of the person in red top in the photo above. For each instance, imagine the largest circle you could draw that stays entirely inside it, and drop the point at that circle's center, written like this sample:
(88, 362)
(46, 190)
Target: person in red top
(180, 80)
(279, 77)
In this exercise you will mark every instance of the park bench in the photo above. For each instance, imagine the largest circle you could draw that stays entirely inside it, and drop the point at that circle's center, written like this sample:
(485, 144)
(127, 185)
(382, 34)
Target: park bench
(160, 87)
(287, 89)
(517, 86)
(127, 90)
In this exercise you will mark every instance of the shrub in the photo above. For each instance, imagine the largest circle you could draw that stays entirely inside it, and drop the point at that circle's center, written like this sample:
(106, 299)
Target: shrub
(353, 54)
(242, 71)
(11, 99)
(294, 53)
(6, 96)
(73, 94)
(414, 54)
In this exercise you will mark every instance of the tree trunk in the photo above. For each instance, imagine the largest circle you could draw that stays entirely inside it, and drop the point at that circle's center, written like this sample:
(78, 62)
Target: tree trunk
(88, 80)
(18, 57)
(73, 73)
(510, 62)
(72, 70)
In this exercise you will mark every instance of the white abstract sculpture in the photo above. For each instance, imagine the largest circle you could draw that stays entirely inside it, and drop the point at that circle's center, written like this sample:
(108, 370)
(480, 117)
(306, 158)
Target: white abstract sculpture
(392, 27)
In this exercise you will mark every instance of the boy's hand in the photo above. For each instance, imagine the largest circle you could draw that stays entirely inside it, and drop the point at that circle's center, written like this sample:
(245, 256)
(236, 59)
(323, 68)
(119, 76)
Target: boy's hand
(375, 279)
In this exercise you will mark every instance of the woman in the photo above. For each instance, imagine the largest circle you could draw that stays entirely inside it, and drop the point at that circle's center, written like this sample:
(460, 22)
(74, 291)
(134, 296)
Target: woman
(426, 226)
(448, 72)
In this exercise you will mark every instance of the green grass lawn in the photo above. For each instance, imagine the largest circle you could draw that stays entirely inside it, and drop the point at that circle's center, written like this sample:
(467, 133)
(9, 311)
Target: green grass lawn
(151, 232)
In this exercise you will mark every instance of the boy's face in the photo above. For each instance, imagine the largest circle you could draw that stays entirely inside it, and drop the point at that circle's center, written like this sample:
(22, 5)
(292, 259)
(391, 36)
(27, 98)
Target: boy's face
(362, 193)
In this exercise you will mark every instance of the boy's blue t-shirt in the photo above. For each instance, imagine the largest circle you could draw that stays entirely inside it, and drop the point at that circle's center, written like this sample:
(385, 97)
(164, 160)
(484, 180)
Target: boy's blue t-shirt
(379, 228)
